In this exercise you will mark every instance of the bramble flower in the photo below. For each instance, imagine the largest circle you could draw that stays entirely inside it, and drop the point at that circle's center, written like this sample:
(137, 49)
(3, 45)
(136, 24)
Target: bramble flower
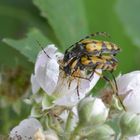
(25, 130)
(129, 90)
(53, 81)
(31, 129)
(134, 138)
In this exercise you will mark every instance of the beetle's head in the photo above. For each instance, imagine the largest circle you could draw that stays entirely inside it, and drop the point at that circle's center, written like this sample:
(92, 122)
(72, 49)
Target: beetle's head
(67, 56)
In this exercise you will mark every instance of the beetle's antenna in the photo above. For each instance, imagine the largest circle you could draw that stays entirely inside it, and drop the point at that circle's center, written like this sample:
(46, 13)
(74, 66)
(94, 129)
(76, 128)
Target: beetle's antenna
(104, 34)
(42, 49)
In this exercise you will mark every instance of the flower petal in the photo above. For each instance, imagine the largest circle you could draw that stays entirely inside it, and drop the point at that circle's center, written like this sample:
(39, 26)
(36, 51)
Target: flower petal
(68, 95)
(134, 138)
(44, 56)
(35, 84)
(129, 86)
(132, 102)
(86, 86)
(127, 82)
(25, 130)
(47, 69)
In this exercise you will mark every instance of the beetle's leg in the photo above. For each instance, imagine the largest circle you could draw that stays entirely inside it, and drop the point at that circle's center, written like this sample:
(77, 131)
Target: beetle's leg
(93, 71)
(115, 88)
(77, 88)
(69, 84)
(91, 74)
(82, 78)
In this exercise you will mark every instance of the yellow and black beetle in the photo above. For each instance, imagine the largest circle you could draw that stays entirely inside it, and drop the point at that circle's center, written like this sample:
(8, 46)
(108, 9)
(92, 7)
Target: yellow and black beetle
(91, 47)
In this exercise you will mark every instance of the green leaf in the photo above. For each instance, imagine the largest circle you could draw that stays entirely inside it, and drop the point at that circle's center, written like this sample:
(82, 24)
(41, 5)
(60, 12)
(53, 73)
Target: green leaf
(19, 16)
(30, 45)
(36, 111)
(16, 17)
(130, 18)
(67, 18)
(11, 58)
(17, 107)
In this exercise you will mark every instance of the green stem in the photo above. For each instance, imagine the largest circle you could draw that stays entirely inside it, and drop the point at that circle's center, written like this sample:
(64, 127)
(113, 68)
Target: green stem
(68, 126)
(122, 137)
(76, 132)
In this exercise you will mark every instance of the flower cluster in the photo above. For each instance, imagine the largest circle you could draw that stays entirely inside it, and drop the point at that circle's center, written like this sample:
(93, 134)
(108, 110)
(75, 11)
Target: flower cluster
(64, 115)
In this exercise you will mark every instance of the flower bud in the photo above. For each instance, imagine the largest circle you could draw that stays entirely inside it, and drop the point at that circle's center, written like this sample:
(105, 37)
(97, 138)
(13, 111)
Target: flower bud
(103, 132)
(130, 124)
(92, 111)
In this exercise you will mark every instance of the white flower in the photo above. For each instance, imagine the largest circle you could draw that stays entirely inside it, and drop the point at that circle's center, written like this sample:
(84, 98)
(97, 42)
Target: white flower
(25, 130)
(129, 88)
(51, 79)
(134, 138)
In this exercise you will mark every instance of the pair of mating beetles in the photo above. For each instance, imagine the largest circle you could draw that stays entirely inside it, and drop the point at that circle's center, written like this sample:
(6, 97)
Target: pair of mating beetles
(89, 55)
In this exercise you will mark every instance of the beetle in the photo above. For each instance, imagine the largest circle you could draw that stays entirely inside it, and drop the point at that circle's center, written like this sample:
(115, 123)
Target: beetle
(90, 63)
(91, 47)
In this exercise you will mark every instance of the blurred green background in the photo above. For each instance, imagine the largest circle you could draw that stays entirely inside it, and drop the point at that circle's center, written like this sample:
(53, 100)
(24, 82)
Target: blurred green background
(24, 23)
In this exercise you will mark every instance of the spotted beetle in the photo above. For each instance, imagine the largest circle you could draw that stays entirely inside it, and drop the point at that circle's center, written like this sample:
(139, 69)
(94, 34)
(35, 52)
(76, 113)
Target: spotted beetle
(91, 47)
